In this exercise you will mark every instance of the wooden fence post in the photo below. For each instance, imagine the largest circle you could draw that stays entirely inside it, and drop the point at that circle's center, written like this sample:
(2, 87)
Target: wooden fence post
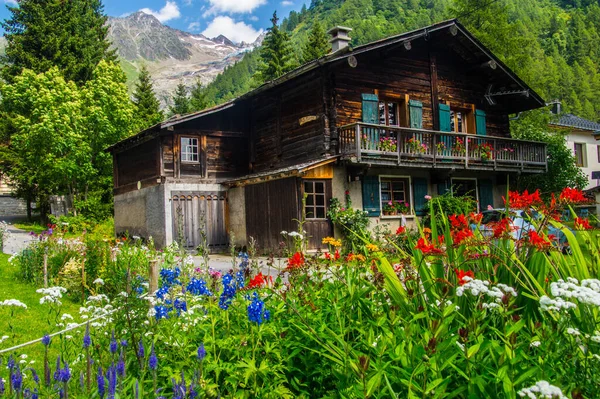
(153, 277)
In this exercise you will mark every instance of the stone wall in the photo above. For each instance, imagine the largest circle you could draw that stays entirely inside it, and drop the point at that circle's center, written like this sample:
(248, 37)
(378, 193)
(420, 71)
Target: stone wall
(236, 205)
(142, 213)
(11, 206)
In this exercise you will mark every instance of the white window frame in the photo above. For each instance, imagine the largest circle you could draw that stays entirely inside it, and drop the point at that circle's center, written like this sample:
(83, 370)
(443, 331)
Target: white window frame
(185, 154)
(410, 196)
(476, 188)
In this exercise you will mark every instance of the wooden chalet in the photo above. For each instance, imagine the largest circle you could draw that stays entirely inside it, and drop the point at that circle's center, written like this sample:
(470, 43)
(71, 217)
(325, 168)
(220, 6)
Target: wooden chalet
(395, 120)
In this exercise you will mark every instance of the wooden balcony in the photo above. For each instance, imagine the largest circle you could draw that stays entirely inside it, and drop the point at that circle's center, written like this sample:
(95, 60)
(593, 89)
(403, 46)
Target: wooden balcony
(396, 146)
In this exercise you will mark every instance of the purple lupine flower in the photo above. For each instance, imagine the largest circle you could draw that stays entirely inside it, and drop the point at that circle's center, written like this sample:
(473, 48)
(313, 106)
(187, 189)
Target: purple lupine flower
(137, 389)
(46, 340)
(111, 374)
(1, 386)
(121, 365)
(193, 392)
(141, 350)
(34, 375)
(124, 343)
(16, 379)
(152, 360)
(34, 394)
(87, 340)
(113, 344)
(65, 374)
(11, 363)
(57, 372)
(201, 352)
(100, 380)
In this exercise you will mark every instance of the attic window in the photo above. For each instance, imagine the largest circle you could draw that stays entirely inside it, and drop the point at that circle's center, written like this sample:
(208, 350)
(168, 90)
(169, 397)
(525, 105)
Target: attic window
(189, 149)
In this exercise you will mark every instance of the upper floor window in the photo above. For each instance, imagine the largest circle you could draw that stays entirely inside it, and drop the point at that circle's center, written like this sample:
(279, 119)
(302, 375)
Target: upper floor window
(388, 113)
(579, 149)
(189, 149)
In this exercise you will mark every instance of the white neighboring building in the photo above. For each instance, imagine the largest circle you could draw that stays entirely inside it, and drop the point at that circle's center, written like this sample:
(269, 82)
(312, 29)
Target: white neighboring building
(583, 144)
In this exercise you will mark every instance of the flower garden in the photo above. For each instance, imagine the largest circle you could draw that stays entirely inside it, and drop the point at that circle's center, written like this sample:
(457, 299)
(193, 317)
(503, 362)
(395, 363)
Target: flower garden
(439, 311)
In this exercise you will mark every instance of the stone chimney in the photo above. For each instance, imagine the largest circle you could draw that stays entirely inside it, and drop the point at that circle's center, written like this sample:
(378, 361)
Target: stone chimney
(339, 38)
(556, 107)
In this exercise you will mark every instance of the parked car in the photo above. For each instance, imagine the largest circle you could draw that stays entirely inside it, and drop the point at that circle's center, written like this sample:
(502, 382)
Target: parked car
(520, 225)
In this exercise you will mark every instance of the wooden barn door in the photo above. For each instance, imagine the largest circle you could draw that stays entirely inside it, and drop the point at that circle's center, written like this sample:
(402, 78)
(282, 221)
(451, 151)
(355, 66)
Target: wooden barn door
(317, 226)
(198, 214)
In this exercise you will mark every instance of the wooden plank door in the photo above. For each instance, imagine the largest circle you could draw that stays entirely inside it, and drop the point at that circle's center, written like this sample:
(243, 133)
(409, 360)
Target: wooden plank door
(318, 195)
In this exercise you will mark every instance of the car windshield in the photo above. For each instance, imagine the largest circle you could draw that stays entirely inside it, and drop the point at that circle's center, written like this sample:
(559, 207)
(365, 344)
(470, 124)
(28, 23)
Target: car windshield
(491, 217)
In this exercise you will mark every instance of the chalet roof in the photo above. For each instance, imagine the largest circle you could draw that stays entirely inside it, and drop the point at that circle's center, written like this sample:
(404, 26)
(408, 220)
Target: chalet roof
(282, 173)
(573, 121)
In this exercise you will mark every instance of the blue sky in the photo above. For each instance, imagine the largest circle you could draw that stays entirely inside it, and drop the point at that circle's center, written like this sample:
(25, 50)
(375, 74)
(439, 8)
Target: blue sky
(239, 20)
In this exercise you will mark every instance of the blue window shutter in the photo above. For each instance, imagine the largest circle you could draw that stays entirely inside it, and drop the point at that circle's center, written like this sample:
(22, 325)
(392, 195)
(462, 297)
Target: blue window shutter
(415, 109)
(444, 117)
(419, 193)
(486, 194)
(480, 122)
(443, 187)
(370, 195)
(370, 108)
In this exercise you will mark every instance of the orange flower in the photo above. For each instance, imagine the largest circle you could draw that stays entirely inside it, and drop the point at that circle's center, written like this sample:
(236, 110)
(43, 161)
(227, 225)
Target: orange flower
(296, 261)
(582, 224)
(401, 230)
(461, 274)
(501, 228)
(428, 249)
(476, 217)
(525, 200)
(461, 235)
(538, 241)
(572, 196)
(458, 222)
(259, 280)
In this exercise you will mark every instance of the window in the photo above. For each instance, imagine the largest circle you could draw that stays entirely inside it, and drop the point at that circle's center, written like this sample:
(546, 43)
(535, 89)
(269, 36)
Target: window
(316, 207)
(598, 151)
(579, 150)
(189, 149)
(461, 120)
(388, 113)
(397, 191)
(465, 187)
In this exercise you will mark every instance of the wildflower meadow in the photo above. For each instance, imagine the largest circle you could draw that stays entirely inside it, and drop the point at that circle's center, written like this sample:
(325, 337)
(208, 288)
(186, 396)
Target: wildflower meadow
(445, 309)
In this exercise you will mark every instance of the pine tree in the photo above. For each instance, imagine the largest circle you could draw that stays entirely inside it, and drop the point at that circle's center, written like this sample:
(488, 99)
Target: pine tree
(198, 98)
(276, 53)
(180, 100)
(145, 100)
(70, 35)
(317, 44)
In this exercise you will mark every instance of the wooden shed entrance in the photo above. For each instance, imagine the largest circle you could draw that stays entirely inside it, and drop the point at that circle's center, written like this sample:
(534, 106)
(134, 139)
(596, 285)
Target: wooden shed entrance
(198, 215)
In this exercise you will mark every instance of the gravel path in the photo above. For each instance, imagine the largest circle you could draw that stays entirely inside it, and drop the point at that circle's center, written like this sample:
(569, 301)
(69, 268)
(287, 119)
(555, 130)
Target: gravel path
(18, 239)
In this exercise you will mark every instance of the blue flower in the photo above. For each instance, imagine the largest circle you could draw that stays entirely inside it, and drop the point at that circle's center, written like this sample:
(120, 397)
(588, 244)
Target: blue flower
(162, 291)
(239, 279)
(152, 360)
(57, 372)
(197, 286)
(170, 277)
(11, 363)
(141, 350)
(113, 344)
(34, 376)
(124, 343)
(245, 260)
(65, 373)
(46, 340)
(16, 379)
(121, 365)
(1, 386)
(87, 340)
(180, 305)
(101, 385)
(256, 310)
(111, 375)
(161, 312)
(201, 352)
(229, 290)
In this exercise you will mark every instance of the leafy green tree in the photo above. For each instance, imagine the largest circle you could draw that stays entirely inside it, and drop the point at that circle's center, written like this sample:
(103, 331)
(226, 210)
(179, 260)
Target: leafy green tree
(276, 53)
(180, 100)
(317, 44)
(198, 98)
(70, 35)
(145, 100)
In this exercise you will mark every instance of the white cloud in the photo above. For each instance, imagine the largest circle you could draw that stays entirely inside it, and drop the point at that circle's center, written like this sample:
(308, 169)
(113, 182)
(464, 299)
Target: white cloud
(11, 2)
(168, 12)
(187, 2)
(287, 3)
(234, 31)
(233, 6)
(194, 26)
(253, 18)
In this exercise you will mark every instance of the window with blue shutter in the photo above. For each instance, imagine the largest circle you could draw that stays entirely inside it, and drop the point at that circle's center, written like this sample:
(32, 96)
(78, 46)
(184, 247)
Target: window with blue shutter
(419, 192)
(444, 117)
(415, 111)
(486, 194)
(480, 122)
(370, 108)
(443, 187)
(370, 195)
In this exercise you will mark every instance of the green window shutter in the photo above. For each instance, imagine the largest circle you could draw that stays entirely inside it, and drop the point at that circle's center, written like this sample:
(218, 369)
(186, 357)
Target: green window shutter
(370, 195)
(419, 193)
(480, 122)
(370, 108)
(486, 194)
(443, 187)
(444, 117)
(415, 109)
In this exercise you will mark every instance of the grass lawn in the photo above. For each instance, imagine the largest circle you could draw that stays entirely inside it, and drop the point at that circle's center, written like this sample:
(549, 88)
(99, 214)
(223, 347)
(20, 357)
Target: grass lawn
(31, 226)
(31, 323)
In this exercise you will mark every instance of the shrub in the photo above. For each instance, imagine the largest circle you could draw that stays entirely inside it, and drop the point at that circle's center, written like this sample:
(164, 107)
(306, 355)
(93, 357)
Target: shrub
(353, 223)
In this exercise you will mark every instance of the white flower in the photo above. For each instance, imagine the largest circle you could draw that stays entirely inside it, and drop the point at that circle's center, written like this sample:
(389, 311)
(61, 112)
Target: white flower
(23, 356)
(66, 316)
(68, 336)
(284, 233)
(535, 344)
(98, 281)
(558, 304)
(13, 302)
(542, 389)
(573, 331)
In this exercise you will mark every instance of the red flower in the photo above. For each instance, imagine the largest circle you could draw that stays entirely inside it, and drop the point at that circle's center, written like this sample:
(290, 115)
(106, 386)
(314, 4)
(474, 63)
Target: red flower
(538, 241)
(476, 217)
(401, 230)
(296, 261)
(458, 222)
(461, 274)
(428, 249)
(461, 235)
(582, 224)
(501, 228)
(336, 255)
(259, 280)
(525, 200)
(572, 196)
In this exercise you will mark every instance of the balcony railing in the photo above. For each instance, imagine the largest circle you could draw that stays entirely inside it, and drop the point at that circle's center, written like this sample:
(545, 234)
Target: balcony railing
(386, 145)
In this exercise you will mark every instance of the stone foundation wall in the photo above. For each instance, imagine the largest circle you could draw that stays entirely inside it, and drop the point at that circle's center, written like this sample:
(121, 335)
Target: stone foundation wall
(11, 206)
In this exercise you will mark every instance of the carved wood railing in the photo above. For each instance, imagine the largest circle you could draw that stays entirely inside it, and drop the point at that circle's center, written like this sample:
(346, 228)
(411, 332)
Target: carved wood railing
(375, 144)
